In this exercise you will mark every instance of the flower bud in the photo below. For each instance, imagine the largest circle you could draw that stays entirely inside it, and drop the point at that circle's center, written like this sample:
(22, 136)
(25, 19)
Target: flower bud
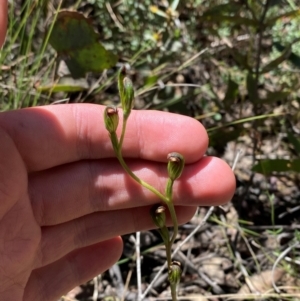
(175, 272)
(121, 76)
(128, 96)
(111, 118)
(175, 165)
(158, 215)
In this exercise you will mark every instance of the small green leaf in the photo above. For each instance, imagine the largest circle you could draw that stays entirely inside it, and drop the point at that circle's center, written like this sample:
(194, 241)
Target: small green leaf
(151, 80)
(236, 20)
(290, 15)
(276, 62)
(155, 10)
(251, 87)
(273, 97)
(65, 84)
(222, 8)
(219, 138)
(294, 141)
(231, 93)
(240, 59)
(269, 166)
(293, 58)
(76, 42)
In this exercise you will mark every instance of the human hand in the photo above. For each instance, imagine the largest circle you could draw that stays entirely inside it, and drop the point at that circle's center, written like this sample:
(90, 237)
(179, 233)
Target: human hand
(65, 198)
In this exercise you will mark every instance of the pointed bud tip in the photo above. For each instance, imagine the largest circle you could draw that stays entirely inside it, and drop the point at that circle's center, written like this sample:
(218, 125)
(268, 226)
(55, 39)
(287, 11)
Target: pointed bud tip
(158, 215)
(111, 118)
(175, 262)
(175, 165)
(123, 70)
(175, 157)
(111, 110)
(160, 210)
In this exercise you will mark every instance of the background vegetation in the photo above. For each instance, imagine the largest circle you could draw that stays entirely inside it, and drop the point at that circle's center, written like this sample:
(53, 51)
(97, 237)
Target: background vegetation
(232, 65)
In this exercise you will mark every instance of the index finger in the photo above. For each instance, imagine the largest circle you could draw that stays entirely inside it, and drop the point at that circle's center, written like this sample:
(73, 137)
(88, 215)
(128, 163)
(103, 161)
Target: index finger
(53, 135)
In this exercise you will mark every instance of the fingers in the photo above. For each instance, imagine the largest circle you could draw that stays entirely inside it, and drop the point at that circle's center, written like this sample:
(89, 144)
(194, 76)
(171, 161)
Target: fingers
(12, 165)
(59, 240)
(75, 190)
(3, 21)
(51, 282)
(54, 135)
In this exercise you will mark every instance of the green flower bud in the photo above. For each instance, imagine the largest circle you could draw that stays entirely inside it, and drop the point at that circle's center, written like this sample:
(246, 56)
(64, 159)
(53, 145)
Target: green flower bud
(121, 76)
(111, 118)
(175, 273)
(175, 165)
(158, 215)
(128, 96)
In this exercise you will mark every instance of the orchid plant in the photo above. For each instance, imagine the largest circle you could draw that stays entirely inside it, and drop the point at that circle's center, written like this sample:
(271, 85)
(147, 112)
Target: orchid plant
(174, 168)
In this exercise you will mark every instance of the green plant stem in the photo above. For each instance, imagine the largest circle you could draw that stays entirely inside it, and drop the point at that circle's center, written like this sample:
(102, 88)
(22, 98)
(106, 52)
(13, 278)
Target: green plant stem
(173, 291)
(137, 179)
(167, 199)
(169, 203)
(168, 253)
(123, 131)
(114, 141)
(118, 152)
